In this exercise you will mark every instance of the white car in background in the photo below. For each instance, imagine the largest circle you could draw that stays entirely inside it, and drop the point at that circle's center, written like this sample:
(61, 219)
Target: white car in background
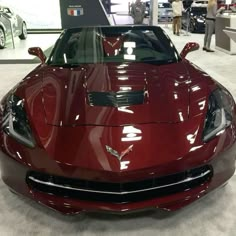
(9, 19)
(165, 12)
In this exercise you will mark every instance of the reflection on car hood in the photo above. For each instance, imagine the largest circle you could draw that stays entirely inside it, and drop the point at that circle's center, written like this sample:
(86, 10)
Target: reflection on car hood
(200, 16)
(114, 94)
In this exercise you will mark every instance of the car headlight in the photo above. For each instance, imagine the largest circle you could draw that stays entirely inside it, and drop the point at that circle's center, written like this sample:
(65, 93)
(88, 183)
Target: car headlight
(219, 115)
(15, 122)
(200, 20)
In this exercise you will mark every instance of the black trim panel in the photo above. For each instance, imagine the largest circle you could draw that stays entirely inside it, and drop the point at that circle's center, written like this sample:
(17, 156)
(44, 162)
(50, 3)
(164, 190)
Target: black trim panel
(119, 192)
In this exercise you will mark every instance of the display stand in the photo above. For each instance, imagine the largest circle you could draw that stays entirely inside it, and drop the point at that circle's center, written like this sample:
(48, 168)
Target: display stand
(225, 25)
(231, 32)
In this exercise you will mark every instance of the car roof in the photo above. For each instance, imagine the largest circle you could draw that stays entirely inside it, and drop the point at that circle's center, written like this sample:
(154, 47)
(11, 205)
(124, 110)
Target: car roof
(200, 3)
(3, 7)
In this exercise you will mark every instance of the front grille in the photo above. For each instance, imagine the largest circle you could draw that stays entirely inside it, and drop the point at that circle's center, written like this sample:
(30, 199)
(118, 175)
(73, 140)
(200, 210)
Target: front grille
(116, 99)
(119, 192)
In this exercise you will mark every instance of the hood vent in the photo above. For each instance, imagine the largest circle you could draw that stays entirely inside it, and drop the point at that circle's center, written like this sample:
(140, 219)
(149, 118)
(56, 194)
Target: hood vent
(116, 99)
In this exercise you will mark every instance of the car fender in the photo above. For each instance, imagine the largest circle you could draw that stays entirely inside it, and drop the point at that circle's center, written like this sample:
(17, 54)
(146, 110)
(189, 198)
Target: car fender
(3, 26)
(20, 21)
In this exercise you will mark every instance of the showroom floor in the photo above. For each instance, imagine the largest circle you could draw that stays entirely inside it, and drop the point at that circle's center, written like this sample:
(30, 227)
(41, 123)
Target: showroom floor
(21, 54)
(213, 215)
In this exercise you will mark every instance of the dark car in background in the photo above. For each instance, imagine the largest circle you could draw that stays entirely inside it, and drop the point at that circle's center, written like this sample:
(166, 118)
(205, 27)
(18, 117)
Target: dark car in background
(187, 3)
(7, 19)
(194, 19)
(147, 11)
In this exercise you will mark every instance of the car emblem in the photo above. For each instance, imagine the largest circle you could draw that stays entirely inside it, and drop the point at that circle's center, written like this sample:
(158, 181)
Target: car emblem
(116, 154)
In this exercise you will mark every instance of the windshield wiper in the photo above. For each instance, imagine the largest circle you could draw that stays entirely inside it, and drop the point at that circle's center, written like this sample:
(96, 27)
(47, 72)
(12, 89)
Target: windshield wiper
(158, 62)
(66, 65)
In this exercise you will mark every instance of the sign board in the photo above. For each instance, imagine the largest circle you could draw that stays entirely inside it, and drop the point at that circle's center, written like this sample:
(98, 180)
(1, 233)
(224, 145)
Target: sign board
(76, 13)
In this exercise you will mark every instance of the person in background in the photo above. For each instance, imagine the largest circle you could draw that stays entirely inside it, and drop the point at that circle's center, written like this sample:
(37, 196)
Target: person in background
(210, 24)
(138, 12)
(178, 8)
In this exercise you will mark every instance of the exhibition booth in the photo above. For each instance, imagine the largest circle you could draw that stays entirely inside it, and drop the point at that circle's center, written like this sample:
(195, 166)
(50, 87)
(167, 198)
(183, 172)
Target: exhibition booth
(45, 20)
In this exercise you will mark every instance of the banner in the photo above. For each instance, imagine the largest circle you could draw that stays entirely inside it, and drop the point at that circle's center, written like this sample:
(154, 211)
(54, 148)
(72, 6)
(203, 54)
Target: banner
(76, 13)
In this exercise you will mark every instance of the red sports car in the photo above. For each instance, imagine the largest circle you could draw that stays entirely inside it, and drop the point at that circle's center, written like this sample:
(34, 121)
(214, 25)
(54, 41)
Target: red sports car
(116, 120)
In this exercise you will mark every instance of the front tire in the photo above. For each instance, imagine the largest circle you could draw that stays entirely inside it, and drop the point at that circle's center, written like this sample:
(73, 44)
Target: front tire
(2, 39)
(23, 32)
(191, 27)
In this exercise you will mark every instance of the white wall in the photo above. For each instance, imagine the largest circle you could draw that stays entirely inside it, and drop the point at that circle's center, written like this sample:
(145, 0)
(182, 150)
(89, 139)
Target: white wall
(122, 6)
(37, 13)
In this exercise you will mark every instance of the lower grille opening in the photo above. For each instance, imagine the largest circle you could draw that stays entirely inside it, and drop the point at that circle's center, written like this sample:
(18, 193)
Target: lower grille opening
(119, 192)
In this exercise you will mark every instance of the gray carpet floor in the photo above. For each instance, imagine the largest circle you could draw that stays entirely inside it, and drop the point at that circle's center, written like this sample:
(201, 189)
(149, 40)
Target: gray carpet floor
(214, 215)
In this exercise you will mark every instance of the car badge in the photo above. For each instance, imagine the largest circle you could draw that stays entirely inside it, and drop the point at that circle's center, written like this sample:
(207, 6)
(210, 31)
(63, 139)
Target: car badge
(116, 154)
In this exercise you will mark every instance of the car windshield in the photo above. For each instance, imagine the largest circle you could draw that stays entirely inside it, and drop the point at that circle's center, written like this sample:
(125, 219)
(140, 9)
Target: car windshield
(199, 10)
(164, 5)
(5, 10)
(146, 44)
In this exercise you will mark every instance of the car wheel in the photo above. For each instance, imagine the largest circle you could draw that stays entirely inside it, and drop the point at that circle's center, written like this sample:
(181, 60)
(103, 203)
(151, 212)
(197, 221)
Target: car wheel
(2, 39)
(24, 31)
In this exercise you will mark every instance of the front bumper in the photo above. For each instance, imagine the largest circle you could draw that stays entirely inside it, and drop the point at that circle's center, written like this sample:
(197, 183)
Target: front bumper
(119, 192)
(14, 174)
(200, 28)
(165, 18)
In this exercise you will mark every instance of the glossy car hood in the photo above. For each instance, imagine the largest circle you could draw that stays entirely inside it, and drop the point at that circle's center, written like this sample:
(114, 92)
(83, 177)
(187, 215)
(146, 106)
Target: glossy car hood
(87, 95)
(82, 149)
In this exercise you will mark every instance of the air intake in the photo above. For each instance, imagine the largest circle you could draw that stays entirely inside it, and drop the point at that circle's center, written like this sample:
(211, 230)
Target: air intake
(119, 192)
(116, 99)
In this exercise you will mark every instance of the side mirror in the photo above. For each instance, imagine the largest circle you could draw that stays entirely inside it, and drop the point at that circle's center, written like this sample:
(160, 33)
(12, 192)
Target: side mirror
(36, 51)
(189, 47)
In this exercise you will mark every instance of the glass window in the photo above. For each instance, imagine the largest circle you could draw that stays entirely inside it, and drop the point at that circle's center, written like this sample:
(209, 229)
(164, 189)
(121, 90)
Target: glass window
(164, 5)
(113, 44)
